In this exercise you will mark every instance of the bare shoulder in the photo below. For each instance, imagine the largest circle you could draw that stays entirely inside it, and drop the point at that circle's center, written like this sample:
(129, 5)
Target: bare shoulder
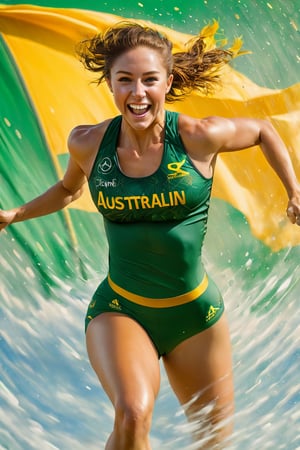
(202, 136)
(215, 134)
(84, 142)
(87, 137)
(195, 129)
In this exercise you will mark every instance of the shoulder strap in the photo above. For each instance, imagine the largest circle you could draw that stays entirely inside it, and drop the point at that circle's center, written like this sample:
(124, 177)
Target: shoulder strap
(111, 134)
(172, 133)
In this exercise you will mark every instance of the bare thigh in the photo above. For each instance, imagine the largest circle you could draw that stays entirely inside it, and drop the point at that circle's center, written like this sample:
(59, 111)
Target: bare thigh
(124, 359)
(200, 373)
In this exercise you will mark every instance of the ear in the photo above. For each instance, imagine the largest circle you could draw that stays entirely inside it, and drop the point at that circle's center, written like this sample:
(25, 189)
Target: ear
(169, 83)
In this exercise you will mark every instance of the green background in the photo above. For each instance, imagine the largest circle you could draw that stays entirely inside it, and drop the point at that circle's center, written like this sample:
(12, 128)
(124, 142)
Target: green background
(47, 389)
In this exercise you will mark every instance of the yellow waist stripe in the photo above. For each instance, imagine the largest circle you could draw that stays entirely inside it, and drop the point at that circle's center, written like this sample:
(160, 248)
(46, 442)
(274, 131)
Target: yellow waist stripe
(161, 302)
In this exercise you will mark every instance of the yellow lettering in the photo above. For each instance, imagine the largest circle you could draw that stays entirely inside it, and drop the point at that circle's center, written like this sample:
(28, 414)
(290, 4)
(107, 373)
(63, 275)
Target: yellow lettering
(128, 200)
(163, 200)
(155, 201)
(101, 200)
(145, 202)
(119, 203)
(110, 203)
(136, 202)
(179, 198)
(136, 199)
(132, 201)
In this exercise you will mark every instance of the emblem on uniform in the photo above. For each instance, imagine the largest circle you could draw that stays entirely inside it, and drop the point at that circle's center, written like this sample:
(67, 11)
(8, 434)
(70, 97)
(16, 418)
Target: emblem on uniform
(105, 165)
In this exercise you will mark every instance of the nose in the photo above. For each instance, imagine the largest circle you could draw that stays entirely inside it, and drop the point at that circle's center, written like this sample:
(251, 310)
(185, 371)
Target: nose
(138, 89)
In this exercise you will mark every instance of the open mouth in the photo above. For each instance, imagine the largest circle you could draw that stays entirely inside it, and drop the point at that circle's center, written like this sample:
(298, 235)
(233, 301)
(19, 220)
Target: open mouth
(139, 110)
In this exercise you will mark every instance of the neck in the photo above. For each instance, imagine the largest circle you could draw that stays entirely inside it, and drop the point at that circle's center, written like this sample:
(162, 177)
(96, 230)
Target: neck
(141, 140)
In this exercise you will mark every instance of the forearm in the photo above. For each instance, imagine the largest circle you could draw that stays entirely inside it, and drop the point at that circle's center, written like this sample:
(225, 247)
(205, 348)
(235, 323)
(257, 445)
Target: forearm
(279, 159)
(53, 200)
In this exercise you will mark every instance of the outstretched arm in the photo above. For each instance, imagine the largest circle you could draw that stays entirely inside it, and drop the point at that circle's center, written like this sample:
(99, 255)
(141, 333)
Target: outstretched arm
(54, 199)
(227, 135)
(278, 157)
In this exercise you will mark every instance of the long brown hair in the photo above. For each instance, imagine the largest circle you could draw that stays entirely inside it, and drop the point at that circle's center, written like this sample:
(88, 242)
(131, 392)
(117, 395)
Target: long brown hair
(198, 66)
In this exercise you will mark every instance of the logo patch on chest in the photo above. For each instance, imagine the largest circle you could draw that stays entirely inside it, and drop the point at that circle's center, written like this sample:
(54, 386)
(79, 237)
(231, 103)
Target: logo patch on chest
(176, 170)
(105, 165)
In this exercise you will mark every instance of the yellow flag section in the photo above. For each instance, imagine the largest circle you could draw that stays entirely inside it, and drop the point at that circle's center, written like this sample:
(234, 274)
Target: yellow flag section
(42, 42)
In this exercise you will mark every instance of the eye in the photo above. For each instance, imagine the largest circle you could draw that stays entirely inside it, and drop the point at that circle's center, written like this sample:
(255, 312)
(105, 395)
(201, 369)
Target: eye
(151, 79)
(124, 79)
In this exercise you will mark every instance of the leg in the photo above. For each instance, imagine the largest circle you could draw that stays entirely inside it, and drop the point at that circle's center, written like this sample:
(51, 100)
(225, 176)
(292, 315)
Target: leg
(127, 365)
(200, 372)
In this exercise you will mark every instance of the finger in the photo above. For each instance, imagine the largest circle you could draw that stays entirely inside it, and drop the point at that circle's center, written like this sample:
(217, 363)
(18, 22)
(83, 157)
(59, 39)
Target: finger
(290, 214)
(290, 211)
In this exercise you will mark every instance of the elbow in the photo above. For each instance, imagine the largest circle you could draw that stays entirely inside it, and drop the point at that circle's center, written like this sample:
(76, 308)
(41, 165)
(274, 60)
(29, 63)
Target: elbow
(267, 130)
(71, 194)
(77, 194)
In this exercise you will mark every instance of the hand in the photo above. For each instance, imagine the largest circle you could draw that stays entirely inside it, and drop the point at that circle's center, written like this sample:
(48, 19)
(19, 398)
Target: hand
(6, 217)
(293, 210)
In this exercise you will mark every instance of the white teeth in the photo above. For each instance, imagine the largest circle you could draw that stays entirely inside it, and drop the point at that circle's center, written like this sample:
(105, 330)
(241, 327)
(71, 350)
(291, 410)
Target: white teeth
(138, 107)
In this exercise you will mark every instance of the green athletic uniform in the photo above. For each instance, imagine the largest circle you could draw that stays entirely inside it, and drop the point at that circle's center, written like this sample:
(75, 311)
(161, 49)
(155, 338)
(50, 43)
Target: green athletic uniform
(155, 227)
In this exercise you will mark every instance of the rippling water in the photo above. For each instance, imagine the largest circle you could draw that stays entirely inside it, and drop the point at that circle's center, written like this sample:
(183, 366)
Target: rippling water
(50, 398)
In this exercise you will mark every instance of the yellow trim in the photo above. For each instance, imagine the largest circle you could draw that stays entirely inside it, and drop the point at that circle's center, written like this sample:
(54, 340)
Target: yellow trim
(161, 302)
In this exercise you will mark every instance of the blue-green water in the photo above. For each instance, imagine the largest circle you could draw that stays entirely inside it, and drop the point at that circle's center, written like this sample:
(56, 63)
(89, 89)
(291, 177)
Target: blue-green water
(49, 396)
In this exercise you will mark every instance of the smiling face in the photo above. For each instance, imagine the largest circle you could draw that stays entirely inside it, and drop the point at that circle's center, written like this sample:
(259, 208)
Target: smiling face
(139, 82)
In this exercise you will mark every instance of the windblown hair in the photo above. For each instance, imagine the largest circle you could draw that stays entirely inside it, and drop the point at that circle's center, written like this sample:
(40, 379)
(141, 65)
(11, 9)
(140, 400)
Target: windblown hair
(198, 67)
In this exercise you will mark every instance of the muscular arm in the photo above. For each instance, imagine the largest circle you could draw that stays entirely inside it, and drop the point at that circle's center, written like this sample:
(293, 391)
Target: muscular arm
(214, 135)
(248, 132)
(243, 133)
(83, 144)
(54, 199)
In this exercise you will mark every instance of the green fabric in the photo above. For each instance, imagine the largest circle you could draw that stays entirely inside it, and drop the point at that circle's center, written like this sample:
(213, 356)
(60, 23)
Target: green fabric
(26, 169)
(167, 327)
(156, 224)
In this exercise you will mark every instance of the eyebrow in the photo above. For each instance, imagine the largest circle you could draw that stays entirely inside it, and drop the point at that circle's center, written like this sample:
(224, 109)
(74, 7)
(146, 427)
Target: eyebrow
(130, 73)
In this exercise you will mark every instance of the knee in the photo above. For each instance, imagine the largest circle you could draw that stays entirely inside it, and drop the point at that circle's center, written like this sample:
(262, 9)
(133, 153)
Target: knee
(133, 419)
(212, 425)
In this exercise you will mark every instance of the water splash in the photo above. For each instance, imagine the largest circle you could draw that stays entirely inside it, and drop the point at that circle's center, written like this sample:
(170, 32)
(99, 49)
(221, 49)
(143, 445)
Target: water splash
(49, 396)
